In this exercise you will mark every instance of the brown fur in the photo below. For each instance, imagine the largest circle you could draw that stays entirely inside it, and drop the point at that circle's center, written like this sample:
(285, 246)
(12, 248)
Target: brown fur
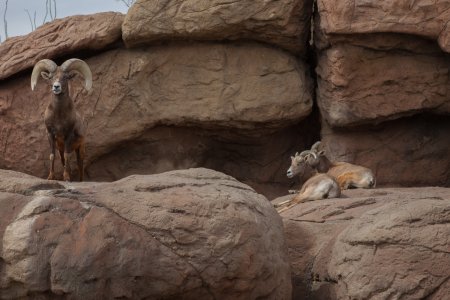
(65, 128)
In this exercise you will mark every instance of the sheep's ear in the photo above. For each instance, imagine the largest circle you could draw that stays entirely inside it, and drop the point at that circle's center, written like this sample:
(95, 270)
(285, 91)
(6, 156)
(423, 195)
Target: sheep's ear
(46, 75)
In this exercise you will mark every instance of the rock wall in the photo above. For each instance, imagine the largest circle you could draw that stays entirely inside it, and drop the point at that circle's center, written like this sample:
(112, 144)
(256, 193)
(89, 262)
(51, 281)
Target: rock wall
(255, 96)
(383, 87)
(237, 87)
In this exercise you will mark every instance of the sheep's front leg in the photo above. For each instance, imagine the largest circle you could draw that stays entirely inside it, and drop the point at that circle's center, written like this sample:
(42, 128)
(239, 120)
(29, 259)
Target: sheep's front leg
(67, 150)
(66, 174)
(80, 158)
(51, 139)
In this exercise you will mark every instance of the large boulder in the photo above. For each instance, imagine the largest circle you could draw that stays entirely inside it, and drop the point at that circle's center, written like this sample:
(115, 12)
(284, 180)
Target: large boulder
(399, 250)
(424, 18)
(60, 38)
(214, 90)
(360, 85)
(193, 234)
(380, 61)
(371, 244)
(283, 23)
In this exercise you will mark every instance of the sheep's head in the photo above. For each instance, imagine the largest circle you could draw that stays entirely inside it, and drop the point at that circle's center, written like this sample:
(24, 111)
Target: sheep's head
(59, 76)
(299, 162)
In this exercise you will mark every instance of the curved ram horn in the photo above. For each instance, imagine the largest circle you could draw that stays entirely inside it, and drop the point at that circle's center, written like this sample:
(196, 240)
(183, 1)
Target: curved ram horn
(44, 65)
(75, 64)
(308, 152)
(316, 146)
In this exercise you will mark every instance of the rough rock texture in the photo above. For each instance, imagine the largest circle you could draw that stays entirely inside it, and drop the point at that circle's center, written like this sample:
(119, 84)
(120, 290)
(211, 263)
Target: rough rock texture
(257, 158)
(62, 37)
(410, 152)
(371, 244)
(428, 19)
(284, 23)
(234, 89)
(406, 255)
(360, 85)
(194, 234)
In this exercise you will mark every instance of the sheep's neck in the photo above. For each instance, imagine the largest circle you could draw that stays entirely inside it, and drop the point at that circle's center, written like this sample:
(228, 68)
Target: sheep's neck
(62, 104)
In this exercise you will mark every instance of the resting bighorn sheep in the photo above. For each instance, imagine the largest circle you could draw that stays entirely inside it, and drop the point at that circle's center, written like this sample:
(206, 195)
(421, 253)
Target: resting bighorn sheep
(64, 125)
(347, 175)
(319, 186)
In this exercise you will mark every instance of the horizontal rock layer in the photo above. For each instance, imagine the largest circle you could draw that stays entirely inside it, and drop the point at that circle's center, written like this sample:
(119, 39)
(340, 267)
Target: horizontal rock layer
(284, 23)
(59, 38)
(359, 85)
(423, 18)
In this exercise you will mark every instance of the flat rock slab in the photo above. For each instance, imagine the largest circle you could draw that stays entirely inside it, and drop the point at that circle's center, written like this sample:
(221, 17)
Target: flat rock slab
(60, 38)
(283, 23)
(371, 244)
(423, 18)
(193, 234)
(351, 90)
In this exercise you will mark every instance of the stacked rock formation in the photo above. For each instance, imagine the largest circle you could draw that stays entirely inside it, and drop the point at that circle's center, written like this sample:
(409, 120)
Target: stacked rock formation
(216, 86)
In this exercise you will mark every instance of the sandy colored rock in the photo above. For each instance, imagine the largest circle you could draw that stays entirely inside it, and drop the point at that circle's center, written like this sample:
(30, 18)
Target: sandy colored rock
(239, 89)
(407, 152)
(283, 23)
(407, 254)
(370, 244)
(422, 18)
(60, 38)
(195, 234)
(357, 85)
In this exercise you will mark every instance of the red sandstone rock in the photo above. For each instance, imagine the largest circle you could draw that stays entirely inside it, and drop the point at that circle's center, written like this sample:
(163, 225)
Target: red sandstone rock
(217, 94)
(194, 234)
(357, 85)
(283, 23)
(422, 18)
(60, 38)
(371, 244)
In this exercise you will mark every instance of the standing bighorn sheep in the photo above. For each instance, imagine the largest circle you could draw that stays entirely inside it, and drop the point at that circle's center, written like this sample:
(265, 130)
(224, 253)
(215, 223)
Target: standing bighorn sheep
(319, 186)
(347, 175)
(65, 128)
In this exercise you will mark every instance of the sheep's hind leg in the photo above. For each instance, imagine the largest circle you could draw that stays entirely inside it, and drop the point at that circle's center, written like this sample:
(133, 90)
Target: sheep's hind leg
(80, 158)
(66, 174)
(51, 175)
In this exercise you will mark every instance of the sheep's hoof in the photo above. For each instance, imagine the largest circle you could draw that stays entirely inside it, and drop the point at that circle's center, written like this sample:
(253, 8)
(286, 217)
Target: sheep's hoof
(51, 176)
(66, 176)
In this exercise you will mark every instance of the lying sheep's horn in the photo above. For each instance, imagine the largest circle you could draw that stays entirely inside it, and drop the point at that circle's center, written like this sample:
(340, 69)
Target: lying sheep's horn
(313, 154)
(75, 64)
(307, 152)
(44, 65)
(316, 146)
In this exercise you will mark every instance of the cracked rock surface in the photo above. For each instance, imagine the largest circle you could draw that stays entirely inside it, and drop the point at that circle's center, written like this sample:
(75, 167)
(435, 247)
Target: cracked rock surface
(194, 234)
(390, 243)
(284, 23)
